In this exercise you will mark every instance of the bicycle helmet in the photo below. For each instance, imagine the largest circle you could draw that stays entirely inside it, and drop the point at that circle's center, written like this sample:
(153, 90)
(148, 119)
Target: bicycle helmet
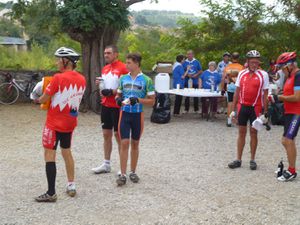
(68, 53)
(253, 54)
(285, 58)
(226, 54)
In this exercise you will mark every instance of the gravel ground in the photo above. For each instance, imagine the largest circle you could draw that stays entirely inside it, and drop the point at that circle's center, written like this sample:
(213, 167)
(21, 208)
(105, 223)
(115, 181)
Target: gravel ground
(183, 170)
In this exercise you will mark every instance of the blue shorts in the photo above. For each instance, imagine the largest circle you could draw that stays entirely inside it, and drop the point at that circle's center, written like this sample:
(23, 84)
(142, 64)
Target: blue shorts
(131, 123)
(291, 125)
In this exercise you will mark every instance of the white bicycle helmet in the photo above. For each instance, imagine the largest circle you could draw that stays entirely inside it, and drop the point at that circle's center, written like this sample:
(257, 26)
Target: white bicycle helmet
(68, 53)
(253, 54)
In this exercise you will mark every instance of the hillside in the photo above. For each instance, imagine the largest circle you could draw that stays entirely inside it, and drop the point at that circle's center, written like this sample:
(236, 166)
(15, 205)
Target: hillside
(164, 18)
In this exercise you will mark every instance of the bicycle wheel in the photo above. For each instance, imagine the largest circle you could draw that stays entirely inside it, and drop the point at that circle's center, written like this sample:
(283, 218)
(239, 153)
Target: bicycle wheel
(95, 102)
(9, 93)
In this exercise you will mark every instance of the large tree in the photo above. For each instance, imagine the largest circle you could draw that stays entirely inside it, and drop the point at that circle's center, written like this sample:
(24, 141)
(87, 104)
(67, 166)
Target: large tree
(93, 23)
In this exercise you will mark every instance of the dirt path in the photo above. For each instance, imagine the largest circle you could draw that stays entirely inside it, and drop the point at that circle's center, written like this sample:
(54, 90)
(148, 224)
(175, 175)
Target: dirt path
(183, 170)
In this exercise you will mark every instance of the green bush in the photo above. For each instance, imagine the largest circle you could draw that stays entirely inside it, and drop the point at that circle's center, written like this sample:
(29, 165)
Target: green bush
(37, 58)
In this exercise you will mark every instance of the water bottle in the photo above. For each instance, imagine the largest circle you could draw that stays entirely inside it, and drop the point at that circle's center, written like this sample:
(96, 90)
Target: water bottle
(190, 83)
(279, 169)
(212, 87)
(101, 83)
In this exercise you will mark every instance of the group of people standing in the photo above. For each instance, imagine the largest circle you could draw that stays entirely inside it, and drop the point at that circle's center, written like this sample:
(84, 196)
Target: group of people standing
(126, 91)
(188, 73)
(247, 90)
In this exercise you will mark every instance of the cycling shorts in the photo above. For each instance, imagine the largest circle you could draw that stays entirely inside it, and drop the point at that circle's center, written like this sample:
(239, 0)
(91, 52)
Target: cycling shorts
(131, 123)
(291, 125)
(52, 137)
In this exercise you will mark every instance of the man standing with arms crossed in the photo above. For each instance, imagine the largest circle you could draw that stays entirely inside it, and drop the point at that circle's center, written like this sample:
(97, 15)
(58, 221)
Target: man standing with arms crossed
(65, 91)
(135, 90)
(110, 110)
(251, 99)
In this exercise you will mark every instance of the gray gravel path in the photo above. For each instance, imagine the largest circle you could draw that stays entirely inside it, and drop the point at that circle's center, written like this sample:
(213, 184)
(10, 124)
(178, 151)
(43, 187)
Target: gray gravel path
(183, 170)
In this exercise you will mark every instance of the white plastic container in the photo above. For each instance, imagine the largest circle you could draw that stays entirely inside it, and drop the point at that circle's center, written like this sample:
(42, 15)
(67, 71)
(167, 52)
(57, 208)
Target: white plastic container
(162, 82)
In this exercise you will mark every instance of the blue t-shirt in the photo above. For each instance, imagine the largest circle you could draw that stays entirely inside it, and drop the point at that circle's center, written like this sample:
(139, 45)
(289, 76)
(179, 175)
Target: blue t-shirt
(221, 66)
(195, 68)
(139, 87)
(208, 78)
(178, 72)
(231, 87)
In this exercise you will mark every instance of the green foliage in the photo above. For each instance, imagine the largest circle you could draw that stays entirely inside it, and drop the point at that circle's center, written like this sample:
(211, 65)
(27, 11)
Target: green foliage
(164, 18)
(40, 19)
(38, 57)
(153, 44)
(238, 25)
(93, 16)
(9, 28)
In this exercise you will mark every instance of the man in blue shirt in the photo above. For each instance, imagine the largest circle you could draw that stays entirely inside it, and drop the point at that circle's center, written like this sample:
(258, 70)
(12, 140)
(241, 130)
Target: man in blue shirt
(179, 76)
(194, 71)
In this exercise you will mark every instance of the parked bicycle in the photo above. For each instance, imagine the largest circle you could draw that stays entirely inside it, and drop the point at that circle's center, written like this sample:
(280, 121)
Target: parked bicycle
(95, 101)
(10, 88)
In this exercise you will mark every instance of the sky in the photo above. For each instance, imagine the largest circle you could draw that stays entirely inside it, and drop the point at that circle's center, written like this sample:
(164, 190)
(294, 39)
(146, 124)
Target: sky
(187, 6)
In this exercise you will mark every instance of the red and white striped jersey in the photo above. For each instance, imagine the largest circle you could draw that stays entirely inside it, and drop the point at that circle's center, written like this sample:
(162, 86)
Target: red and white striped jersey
(252, 86)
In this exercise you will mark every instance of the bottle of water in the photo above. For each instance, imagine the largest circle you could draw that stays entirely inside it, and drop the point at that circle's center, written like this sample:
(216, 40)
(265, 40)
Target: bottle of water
(212, 87)
(190, 83)
(280, 169)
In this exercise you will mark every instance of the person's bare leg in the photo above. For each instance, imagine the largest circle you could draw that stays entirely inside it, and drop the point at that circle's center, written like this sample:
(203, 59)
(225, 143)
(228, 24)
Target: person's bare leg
(107, 144)
(241, 141)
(253, 142)
(69, 163)
(134, 154)
(118, 140)
(291, 151)
(124, 155)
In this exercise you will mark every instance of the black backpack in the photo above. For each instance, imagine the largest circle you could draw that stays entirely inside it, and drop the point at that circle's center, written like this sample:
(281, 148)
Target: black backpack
(162, 109)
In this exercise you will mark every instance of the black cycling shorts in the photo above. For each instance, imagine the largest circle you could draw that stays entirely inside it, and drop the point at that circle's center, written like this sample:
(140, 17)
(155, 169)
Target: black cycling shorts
(131, 123)
(248, 113)
(52, 137)
(230, 96)
(291, 125)
(110, 118)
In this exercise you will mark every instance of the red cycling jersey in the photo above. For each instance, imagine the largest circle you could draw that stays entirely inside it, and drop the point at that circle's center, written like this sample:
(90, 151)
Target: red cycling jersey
(291, 85)
(66, 90)
(111, 74)
(251, 87)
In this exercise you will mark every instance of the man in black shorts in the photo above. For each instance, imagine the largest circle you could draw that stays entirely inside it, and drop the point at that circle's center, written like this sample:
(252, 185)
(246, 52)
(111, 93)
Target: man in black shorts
(110, 110)
(291, 100)
(251, 99)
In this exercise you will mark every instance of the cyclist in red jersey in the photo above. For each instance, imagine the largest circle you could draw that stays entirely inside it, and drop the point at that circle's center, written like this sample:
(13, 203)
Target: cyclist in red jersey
(291, 100)
(110, 110)
(251, 100)
(65, 91)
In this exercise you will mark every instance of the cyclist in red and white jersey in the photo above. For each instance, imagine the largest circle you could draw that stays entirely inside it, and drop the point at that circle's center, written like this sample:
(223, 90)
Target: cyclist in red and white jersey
(65, 90)
(291, 100)
(250, 100)
(110, 111)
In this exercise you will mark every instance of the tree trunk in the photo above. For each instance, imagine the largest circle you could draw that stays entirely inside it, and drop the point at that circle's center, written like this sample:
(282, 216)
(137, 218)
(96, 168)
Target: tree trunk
(93, 60)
